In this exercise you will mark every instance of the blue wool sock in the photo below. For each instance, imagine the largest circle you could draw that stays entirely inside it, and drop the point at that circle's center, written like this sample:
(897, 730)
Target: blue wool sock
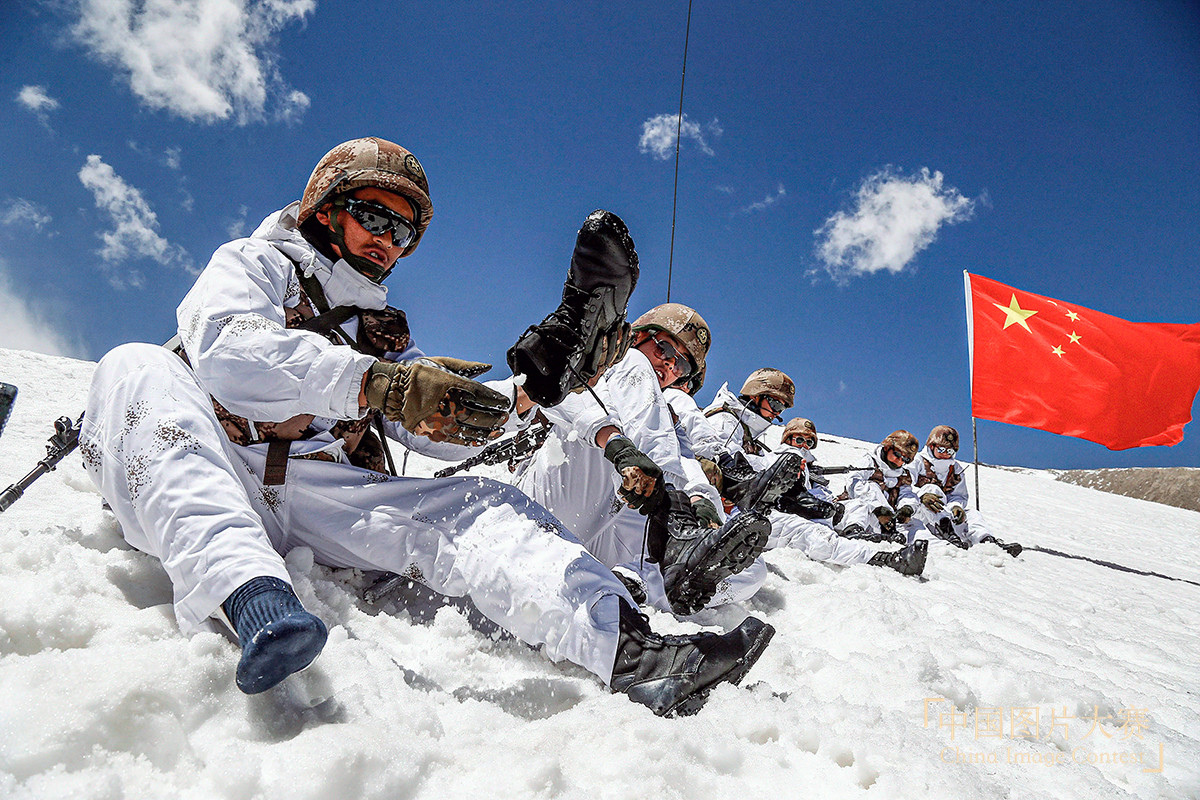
(278, 637)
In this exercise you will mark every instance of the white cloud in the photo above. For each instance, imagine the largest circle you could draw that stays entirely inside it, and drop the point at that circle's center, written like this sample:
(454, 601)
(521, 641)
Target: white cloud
(894, 218)
(204, 61)
(658, 135)
(36, 100)
(25, 328)
(765, 203)
(21, 212)
(136, 231)
(236, 228)
(171, 157)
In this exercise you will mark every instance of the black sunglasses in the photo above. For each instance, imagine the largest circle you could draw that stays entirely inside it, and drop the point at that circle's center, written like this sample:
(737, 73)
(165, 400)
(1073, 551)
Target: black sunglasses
(379, 220)
(680, 363)
(775, 404)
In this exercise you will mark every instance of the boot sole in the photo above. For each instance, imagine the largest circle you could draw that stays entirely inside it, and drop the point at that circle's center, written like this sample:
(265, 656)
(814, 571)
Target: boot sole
(745, 540)
(694, 702)
(784, 474)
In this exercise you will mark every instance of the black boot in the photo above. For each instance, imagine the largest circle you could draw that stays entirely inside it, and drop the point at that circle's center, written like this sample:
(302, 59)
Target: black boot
(588, 330)
(1012, 548)
(909, 561)
(759, 491)
(945, 531)
(856, 531)
(672, 675)
(694, 558)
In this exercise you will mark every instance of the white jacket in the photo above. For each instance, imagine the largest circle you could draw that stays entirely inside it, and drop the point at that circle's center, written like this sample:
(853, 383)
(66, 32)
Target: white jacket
(874, 485)
(232, 326)
(730, 422)
(705, 438)
(944, 471)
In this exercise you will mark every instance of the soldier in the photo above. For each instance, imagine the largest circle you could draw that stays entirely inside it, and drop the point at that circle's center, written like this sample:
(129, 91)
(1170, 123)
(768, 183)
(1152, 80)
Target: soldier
(945, 506)
(801, 519)
(266, 435)
(879, 498)
(686, 557)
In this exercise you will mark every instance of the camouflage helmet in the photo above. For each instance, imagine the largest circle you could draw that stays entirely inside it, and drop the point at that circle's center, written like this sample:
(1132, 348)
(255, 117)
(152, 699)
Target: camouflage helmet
(903, 442)
(685, 325)
(799, 427)
(370, 162)
(942, 436)
(771, 382)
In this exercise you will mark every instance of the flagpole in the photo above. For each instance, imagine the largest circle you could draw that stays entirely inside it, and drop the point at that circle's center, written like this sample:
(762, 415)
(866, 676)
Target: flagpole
(971, 376)
(975, 439)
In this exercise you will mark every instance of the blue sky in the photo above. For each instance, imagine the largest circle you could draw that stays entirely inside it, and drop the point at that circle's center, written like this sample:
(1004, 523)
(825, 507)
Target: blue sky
(841, 165)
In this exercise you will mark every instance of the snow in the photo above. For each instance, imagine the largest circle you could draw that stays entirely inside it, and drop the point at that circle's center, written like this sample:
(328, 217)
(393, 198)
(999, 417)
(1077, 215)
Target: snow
(104, 698)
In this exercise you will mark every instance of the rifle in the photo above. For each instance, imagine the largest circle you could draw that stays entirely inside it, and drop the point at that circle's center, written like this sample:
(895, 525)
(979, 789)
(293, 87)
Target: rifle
(64, 440)
(514, 449)
(816, 469)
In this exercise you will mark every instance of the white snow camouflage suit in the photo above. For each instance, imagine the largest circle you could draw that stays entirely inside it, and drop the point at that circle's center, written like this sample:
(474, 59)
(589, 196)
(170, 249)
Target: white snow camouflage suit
(185, 493)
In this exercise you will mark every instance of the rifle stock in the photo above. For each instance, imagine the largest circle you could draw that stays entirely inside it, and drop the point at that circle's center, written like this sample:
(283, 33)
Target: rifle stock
(64, 440)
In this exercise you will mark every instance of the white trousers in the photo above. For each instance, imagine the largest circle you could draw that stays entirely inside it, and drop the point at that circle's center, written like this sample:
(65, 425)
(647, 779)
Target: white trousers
(183, 493)
(816, 539)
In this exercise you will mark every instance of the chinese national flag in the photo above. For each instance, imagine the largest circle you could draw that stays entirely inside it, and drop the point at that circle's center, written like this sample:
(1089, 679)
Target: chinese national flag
(1063, 368)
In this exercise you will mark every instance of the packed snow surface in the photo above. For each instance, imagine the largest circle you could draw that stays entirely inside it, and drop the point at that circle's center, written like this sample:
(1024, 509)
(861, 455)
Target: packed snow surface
(990, 677)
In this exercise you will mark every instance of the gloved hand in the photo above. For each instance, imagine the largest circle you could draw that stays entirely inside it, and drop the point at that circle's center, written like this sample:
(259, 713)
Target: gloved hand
(641, 479)
(706, 512)
(883, 514)
(932, 502)
(958, 514)
(436, 397)
(904, 514)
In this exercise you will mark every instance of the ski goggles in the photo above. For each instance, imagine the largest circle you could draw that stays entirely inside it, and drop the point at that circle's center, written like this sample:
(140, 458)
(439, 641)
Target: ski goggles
(945, 451)
(379, 220)
(800, 440)
(680, 364)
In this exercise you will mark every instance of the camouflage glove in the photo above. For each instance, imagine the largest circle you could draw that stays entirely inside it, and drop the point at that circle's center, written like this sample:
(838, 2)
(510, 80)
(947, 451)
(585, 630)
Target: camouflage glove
(436, 397)
(706, 512)
(904, 514)
(883, 514)
(641, 478)
(958, 514)
(932, 502)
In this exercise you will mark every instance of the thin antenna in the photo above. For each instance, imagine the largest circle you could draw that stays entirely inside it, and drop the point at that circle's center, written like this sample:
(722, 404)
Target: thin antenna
(678, 129)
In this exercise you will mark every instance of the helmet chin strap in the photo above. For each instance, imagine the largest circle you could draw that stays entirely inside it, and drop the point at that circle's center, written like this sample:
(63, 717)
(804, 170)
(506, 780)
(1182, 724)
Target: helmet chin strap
(365, 266)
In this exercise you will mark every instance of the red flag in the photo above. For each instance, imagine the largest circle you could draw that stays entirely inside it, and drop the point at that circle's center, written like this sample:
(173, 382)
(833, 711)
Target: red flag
(1047, 364)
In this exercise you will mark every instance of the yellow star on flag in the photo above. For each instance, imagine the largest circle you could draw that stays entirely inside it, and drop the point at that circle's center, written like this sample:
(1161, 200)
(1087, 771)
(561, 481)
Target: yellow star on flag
(1014, 314)
(1074, 337)
(1074, 317)
(1058, 351)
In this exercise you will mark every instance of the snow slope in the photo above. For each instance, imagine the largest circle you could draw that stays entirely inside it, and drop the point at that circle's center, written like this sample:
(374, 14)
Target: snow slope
(101, 697)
